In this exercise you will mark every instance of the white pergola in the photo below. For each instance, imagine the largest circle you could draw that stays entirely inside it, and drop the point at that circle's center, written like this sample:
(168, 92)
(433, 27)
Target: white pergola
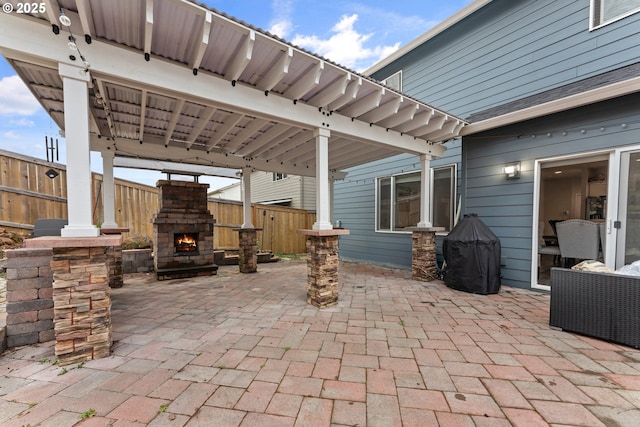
(175, 81)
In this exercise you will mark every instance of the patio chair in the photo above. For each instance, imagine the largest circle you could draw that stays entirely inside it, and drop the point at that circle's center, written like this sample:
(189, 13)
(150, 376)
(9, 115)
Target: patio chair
(578, 239)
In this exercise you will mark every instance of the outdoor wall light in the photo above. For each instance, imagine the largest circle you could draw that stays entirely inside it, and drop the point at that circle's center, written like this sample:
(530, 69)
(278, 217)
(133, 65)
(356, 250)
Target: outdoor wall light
(51, 173)
(512, 170)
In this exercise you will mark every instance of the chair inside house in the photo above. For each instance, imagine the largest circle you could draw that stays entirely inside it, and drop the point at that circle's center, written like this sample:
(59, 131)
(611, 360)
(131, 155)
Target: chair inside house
(602, 226)
(543, 249)
(578, 239)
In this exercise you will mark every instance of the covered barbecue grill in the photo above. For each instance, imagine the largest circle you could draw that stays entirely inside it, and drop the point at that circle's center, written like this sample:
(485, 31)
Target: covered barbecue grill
(472, 255)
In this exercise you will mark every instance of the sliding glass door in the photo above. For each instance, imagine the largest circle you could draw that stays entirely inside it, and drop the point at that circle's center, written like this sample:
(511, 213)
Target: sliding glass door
(628, 225)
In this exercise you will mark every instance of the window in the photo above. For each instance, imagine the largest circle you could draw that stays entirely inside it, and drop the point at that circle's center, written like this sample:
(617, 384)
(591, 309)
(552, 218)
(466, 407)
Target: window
(398, 200)
(394, 81)
(444, 197)
(606, 11)
(279, 176)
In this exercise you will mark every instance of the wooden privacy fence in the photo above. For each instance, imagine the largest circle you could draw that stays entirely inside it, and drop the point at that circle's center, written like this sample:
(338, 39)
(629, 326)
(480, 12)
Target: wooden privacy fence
(27, 193)
(278, 224)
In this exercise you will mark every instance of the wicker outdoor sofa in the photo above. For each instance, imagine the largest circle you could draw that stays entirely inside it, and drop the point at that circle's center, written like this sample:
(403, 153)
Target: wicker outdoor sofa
(600, 305)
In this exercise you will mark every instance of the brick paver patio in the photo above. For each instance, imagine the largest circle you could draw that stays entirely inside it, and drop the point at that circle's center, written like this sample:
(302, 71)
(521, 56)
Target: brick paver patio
(247, 350)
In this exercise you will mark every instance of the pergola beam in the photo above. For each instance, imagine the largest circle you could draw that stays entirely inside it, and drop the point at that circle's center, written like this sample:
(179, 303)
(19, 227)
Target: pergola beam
(276, 141)
(244, 135)
(198, 53)
(223, 130)
(334, 91)
(277, 72)
(386, 110)
(84, 12)
(350, 94)
(365, 104)
(204, 119)
(242, 57)
(148, 28)
(143, 112)
(263, 140)
(123, 147)
(24, 38)
(177, 110)
(306, 82)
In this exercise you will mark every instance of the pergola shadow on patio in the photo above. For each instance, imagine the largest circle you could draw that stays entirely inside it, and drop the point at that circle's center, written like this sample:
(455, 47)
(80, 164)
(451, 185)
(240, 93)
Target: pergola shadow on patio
(248, 350)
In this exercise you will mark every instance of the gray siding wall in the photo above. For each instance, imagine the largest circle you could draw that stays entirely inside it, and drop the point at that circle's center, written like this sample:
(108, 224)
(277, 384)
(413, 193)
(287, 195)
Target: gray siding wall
(506, 206)
(301, 190)
(511, 49)
(354, 207)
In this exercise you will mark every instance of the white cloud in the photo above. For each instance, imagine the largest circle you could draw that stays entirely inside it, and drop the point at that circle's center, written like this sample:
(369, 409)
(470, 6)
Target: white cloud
(11, 135)
(16, 100)
(281, 24)
(346, 46)
(22, 123)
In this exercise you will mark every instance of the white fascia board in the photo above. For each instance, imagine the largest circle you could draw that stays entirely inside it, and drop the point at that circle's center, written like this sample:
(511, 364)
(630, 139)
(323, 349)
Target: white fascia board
(25, 36)
(574, 101)
(159, 165)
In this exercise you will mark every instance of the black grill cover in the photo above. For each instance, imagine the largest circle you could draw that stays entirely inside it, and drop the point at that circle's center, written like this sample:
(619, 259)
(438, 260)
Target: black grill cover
(472, 255)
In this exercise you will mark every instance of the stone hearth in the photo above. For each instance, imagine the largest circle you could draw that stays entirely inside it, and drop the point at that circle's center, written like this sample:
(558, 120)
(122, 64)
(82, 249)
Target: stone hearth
(183, 213)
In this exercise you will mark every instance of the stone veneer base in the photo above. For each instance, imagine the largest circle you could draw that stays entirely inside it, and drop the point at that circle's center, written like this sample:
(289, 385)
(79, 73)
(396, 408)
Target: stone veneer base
(423, 253)
(322, 266)
(248, 253)
(81, 295)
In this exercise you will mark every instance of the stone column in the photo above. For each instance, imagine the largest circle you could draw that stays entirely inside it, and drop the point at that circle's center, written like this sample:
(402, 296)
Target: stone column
(322, 266)
(114, 266)
(81, 295)
(423, 253)
(248, 255)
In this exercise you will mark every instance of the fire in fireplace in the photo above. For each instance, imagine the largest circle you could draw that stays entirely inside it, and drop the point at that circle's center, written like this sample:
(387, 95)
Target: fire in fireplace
(185, 243)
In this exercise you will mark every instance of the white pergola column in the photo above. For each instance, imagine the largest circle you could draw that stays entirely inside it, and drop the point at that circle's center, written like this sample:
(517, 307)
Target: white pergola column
(425, 192)
(76, 123)
(108, 191)
(323, 196)
(246, 198)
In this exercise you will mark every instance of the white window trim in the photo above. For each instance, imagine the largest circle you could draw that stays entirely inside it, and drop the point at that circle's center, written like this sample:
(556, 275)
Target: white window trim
(452, 166)
(273, 177)
(593, 26)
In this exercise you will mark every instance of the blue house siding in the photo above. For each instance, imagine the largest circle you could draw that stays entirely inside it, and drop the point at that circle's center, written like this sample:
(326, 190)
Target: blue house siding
(511, 49)
(355, 204)
(506, 206)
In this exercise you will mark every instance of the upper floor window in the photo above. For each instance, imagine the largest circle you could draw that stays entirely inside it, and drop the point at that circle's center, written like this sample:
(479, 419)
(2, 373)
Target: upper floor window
(279, 176)
(398, 200)
(606, 11)
(394, 81)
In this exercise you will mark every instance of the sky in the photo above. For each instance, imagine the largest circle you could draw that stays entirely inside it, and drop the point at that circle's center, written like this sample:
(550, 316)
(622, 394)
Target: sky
(355, 34)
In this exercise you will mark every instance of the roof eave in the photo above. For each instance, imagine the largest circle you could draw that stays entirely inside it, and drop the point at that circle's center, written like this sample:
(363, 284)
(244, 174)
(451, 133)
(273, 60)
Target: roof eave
(441, 27)
(593, 96)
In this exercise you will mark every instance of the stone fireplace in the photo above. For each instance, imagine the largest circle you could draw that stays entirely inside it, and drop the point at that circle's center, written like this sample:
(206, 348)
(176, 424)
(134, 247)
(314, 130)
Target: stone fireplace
(183, 231)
